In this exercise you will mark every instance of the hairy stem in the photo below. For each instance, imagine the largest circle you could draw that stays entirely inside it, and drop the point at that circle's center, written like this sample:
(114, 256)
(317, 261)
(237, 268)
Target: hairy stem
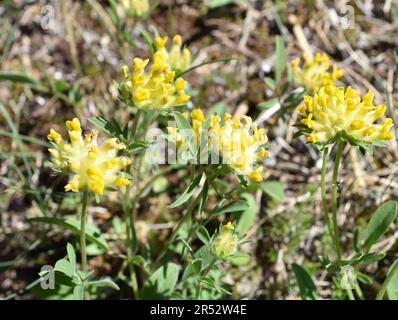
(324, 197)
(334, 197)
(83, 218)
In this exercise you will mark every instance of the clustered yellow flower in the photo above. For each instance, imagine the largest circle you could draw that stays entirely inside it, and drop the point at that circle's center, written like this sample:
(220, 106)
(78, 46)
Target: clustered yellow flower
(91, 166)
(177, 57)
(236, 140)
(135, 8)
(156, 89)
(315, 73)
(335, 109)
(226, 242)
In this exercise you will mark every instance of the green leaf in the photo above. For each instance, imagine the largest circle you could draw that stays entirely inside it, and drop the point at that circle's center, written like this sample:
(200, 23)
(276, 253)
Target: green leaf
(379, 143)
(139, 260)
(247, 218)
(147, 38)
(18, 77)
(274, 189)
(61, 85)
(182, 123)
(280, 58)
(104, 283)
(203, 196)
(203, 234)
(71, 224)
(187, 193)
(213, 4)
(268, 104)
(205, 254)
(305, 283)
(379, 223)
(238, 205)
(113, 12)
(93, 250)
(202, 64)
(197, 265)
(78, 292)
(111, 127)
(364, 278)
(71, 255)
(332, 268)
(138, 144)
(161, 283)
(240, 260)
(392, 287)
(65, 267)
(329, 266)
(371, 258)
(270, 83)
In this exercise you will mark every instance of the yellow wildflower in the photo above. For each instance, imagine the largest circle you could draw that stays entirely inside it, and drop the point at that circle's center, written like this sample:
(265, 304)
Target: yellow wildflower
(92, 166)
(336, 109)
(315, 73)
(156, 89)
(135, 8)
(240, 144)
(226, 242)
(177, 57)
(237, 141)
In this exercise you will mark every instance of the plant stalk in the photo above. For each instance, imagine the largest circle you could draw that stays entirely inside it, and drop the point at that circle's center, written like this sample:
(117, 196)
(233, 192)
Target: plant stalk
(83, 218)
(129, 219)
(324, 197)
(334, 197)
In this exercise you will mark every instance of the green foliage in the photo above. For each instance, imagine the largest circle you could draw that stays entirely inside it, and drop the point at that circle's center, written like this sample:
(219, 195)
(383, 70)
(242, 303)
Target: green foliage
(305, 283)
(392, 287)
(247, 217)
(379, 223)
(187, 193)
(234, 206)
(161, 283)
(280, 58)
(93, 234)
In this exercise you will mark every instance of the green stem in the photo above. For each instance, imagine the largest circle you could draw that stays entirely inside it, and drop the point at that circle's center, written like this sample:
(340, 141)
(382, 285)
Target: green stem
(334, 197)
(350, 294)
(129, 242)
(135, 124)
(358, 290)
(204, 274)
(198, 292)
(129, 219)
(323, 194)
(83, 218)
(384, 286)
(22, 291)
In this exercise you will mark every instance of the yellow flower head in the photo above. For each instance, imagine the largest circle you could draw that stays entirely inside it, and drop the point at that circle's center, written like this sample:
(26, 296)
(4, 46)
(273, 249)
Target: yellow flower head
(90, 165)
(135, 8)
(177, 57)
(156, 88)
(315, 73)
(241, 144)
(226, 242)
(336, 109)
(236, 140)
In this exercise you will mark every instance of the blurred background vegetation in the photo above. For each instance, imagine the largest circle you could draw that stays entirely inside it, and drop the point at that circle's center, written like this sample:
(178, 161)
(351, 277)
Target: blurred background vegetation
(53, 70)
